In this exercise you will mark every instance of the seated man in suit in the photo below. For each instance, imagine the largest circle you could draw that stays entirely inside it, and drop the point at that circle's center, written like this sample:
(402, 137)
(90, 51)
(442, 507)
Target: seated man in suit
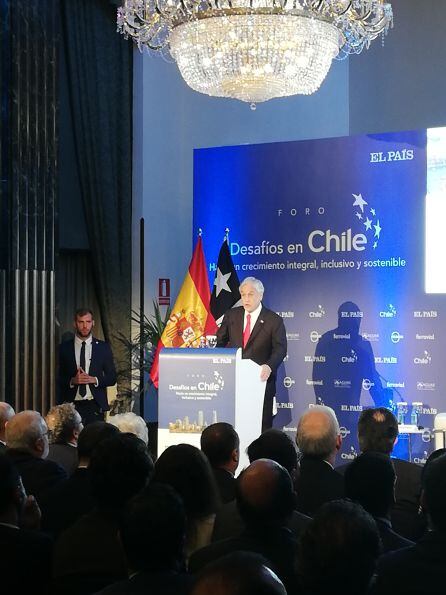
(25, 561)
(220, 443)
(152, 532)
(27, 441)
(378, 432)
(64, 426)
(266, 500)
(318, 439)
(86, 368)
(6, 413)
(420, 569)
(261, 334)
(370, 481)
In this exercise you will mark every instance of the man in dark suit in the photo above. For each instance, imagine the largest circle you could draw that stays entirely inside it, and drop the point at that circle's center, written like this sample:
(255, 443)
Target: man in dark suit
(370, 481)
(6, 413)
(261, 334)
(419, 569)
(220, 443)
(64, 426)
(318, 439)
(86, 368)
(27, 440)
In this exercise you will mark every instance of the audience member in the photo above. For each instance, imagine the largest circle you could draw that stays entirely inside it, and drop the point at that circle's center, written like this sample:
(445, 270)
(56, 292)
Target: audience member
(266, 500)
(188, 471)
(240, 573)
(25, 560)
(318, 439)
(370, 481)
(420, 569)
(70, 499)
(152, 533)
(6, 413)
(64, 426)
(378, 432)
(220, 443)
(130, 422)
(88, 555)
(338, 550)
(27, 441)
(277, 446)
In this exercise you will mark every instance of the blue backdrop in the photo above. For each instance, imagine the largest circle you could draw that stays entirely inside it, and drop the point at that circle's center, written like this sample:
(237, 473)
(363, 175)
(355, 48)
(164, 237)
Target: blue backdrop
(325, 222)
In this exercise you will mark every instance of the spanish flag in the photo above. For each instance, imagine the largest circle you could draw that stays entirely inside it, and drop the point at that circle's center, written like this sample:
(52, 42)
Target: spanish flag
(191, 319)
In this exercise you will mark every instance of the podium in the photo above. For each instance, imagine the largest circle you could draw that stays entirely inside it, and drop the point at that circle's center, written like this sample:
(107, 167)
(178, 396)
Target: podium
(199, 387)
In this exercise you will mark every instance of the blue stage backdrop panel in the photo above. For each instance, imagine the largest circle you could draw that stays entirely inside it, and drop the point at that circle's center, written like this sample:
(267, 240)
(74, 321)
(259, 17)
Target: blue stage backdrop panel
(323, 223)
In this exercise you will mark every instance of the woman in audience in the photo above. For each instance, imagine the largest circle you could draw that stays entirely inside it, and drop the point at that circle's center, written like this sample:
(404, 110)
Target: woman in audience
(187, 470)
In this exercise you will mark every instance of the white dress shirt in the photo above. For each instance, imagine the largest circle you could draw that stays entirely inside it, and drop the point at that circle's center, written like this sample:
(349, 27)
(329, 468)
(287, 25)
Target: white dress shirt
(77, 354)
(254, 316)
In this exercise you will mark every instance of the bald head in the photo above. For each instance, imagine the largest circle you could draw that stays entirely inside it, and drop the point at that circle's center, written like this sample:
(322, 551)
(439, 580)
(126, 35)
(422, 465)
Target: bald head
(6, 413)
(265, 492)
(28, 431)
(318, 433)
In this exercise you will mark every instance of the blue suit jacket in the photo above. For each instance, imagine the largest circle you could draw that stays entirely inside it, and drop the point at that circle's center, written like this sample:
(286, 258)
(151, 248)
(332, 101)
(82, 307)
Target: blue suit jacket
(101, 366)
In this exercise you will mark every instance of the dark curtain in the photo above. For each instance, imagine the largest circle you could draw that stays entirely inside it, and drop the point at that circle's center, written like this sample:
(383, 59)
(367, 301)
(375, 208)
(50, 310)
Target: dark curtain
(99, 71)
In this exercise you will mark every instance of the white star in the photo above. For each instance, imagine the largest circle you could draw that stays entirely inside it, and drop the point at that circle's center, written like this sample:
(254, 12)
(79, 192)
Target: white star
(377, 229)
(358, 215)
(373, 212)
(359, 201)
(221, 282)
(368, 223)
(375, 244)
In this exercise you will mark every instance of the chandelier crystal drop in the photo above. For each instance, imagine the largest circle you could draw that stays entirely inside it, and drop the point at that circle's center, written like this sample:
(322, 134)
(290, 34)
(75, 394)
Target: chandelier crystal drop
(254, 50)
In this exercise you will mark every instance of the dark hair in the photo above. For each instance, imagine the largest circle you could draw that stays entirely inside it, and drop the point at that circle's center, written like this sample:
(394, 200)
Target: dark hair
(435, 492)
(370, 481)
(377, 430)
(9, 482)
(432, 457)
(275, 445)
(238, 573)
(153, 529)
(338, 547)
(120, 467)
(188, 471)
(271, 501)
(218, 441)
(92, 435)
(83, 312)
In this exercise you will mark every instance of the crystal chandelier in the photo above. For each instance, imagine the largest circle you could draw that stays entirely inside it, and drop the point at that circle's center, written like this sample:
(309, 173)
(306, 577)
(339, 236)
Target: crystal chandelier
(254, 50)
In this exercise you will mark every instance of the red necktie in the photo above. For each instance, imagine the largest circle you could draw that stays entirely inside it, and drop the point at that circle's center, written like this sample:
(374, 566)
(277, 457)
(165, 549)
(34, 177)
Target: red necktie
(247, 330)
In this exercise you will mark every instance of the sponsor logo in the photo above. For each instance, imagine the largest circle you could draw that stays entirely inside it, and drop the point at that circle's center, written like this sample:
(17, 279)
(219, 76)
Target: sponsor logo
(315, 358)
(351, 408)
(396, 337)
(344, 432)
(319, 313)
(350, 359)
(346, 336)
(425, 314)
(217, 384)
(293, 336)
(421, 460)
(315, 336)
(426, 436)
(389, 313)
(395, 385)
(424, 360)
(309, 382)
(342, 383)
(425, 337)
(367, 384)
(388, 156)
(286, 314)
(349, 456)
(284, 405)
(347, 314)
(221, 360)
(385, 359)
(288, 382)
(429, 411)
(372, 337)
(425, 385)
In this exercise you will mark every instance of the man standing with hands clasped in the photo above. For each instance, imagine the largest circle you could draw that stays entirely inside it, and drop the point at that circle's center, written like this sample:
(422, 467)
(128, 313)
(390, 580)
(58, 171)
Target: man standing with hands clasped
(86, 368)
(261, 334)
